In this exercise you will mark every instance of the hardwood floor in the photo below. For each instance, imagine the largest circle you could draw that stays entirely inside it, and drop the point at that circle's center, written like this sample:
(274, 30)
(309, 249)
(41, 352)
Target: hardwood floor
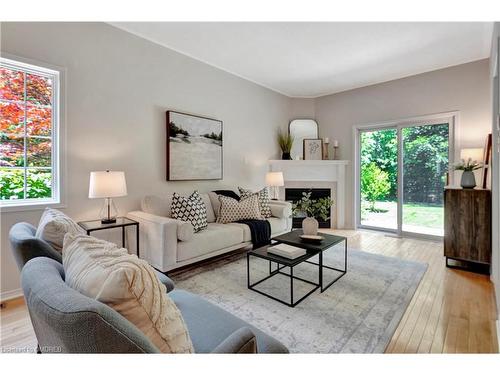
(452, 311)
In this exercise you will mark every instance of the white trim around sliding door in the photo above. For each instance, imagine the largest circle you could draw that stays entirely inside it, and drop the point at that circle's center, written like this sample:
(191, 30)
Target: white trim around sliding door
(452, 118)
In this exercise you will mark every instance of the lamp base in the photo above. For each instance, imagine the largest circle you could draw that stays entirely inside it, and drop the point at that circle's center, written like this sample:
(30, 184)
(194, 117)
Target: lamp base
(108, 212)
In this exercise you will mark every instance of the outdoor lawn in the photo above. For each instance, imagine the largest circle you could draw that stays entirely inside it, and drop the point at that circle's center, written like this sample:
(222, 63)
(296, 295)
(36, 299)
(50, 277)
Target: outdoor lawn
(419, 218)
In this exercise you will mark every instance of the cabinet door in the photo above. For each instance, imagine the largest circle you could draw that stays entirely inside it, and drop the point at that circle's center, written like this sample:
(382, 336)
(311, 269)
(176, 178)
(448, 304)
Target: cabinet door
(481, 222)
(459, 233)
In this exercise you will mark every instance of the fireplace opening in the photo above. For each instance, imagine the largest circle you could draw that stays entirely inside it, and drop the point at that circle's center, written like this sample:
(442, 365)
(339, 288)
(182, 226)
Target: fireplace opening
(295, 194)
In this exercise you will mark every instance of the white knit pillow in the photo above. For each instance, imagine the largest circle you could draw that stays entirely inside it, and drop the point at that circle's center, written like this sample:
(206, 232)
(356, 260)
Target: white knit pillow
(232, 210)
(265, 208)
(54, 225)
(129, 285)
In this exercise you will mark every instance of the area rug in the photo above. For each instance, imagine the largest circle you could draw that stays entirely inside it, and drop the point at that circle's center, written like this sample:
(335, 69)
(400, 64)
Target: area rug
(357, 314)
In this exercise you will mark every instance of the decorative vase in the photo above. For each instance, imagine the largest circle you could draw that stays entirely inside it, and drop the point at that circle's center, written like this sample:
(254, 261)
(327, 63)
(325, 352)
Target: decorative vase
(310, 226)
(468, 180)
(286, 156)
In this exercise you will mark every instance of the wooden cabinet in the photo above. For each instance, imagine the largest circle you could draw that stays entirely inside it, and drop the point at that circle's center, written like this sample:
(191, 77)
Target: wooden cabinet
(467, 225)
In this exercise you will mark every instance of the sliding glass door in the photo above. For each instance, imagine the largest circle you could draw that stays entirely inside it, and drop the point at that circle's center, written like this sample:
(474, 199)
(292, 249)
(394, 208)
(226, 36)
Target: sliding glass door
(379, 178)
(425, 166)
(402, 172)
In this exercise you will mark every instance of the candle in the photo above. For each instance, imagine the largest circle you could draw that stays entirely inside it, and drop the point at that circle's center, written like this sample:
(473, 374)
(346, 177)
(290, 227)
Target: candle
(335, 143)
(326, 140)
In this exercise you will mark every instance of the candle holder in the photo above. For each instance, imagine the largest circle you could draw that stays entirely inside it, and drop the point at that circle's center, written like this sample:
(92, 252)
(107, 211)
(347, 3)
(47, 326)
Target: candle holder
(325, 150)
(335, 152)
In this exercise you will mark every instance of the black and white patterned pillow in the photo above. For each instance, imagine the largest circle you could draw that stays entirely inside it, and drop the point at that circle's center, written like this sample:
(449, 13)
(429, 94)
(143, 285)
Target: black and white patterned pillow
(265, 209)
(190, 209)
(232, 210)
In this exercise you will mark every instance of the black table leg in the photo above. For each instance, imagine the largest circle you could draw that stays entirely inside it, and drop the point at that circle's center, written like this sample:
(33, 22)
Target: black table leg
(137, 239)
(248, 270)
(123, 236)
(321, 271)
(291, 287)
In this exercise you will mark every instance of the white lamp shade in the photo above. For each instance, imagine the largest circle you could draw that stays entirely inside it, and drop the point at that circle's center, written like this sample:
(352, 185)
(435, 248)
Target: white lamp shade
(476, 154)
(107, 184)
(275, 179)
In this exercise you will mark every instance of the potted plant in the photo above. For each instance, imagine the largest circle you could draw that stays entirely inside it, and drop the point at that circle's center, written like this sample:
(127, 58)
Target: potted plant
(468, 167)
(313, 209)
(285, 141)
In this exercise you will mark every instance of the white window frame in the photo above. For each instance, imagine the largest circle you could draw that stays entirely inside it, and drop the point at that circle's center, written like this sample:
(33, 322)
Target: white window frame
(57, 134)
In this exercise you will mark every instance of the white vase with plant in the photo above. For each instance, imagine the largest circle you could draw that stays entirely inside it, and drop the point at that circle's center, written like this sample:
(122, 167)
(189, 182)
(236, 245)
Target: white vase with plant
(468, 181)
(313, 209)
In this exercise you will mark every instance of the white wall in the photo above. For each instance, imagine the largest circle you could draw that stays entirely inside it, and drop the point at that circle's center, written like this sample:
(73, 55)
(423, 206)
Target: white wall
(118, 89)
(495, 180)
(463, 88)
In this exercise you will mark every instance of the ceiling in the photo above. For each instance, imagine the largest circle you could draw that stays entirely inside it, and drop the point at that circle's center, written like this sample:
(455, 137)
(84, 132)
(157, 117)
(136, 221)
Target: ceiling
(311, 59)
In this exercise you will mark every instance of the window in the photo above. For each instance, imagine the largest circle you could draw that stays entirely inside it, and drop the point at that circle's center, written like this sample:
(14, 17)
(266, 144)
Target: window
(29, 107)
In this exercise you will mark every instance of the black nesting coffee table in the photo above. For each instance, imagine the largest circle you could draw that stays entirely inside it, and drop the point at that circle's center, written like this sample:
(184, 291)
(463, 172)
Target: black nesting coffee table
(313, 249)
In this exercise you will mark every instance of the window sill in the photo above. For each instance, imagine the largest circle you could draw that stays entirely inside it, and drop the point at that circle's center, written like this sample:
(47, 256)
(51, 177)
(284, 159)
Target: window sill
(33, 206)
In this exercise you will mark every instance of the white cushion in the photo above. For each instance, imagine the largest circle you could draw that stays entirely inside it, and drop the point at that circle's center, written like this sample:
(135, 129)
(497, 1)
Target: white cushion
(210, 210)
(129, 285)
(54, 225)
(185, 231)
(232, 210)
(214, 200)
(155, 205)
(214, 237)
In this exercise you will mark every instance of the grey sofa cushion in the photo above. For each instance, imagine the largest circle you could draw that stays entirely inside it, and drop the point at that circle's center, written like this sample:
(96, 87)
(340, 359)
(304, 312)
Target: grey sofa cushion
(216, 325)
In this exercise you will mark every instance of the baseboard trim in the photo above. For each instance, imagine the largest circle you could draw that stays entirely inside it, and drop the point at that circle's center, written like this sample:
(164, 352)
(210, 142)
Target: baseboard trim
(11, 294)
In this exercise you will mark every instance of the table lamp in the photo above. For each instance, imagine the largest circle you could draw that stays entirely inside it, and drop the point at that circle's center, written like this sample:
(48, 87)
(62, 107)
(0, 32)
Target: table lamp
(475, 154)
(107, 185)
(274, 180)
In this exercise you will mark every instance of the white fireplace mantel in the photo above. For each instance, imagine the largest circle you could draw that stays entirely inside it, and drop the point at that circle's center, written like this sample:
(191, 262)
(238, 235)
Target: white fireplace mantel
(309, 172)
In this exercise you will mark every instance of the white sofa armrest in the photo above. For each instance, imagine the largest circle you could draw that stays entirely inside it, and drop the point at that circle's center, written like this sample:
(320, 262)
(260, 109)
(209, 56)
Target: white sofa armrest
(157, 239)
(281, 209)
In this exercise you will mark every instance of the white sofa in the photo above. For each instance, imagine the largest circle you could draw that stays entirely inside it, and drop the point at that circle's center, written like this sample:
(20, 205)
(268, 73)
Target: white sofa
(167, 243)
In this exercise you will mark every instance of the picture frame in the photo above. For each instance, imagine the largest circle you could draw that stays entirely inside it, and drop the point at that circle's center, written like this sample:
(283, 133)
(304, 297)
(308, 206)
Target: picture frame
(486, 160)
(313, 149)
(194, 147)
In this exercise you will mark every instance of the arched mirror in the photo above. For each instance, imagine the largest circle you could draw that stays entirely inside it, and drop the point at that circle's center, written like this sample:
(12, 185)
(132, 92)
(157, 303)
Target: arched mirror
(301, 129)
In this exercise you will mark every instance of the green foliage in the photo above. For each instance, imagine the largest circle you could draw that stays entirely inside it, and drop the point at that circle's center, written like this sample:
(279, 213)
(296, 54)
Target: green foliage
(467, 166)
(285, 141)
(176, 130)
(425, 157)
(375, 184)
(317, 208)
(38, 184)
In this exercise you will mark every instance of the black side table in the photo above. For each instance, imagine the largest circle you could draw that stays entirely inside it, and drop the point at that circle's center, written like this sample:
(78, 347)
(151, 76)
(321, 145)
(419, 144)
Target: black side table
(121, 222)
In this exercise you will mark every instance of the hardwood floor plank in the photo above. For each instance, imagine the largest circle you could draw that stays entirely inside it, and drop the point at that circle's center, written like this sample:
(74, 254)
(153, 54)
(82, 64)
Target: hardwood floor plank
(452, 311)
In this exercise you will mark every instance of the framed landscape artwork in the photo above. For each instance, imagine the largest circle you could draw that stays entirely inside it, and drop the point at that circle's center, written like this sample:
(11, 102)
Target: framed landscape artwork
(194, 147)
(313, 149)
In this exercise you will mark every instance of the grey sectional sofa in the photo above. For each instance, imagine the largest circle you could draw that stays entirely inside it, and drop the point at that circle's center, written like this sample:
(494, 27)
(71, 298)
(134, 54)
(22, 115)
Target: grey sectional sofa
(66, 321)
